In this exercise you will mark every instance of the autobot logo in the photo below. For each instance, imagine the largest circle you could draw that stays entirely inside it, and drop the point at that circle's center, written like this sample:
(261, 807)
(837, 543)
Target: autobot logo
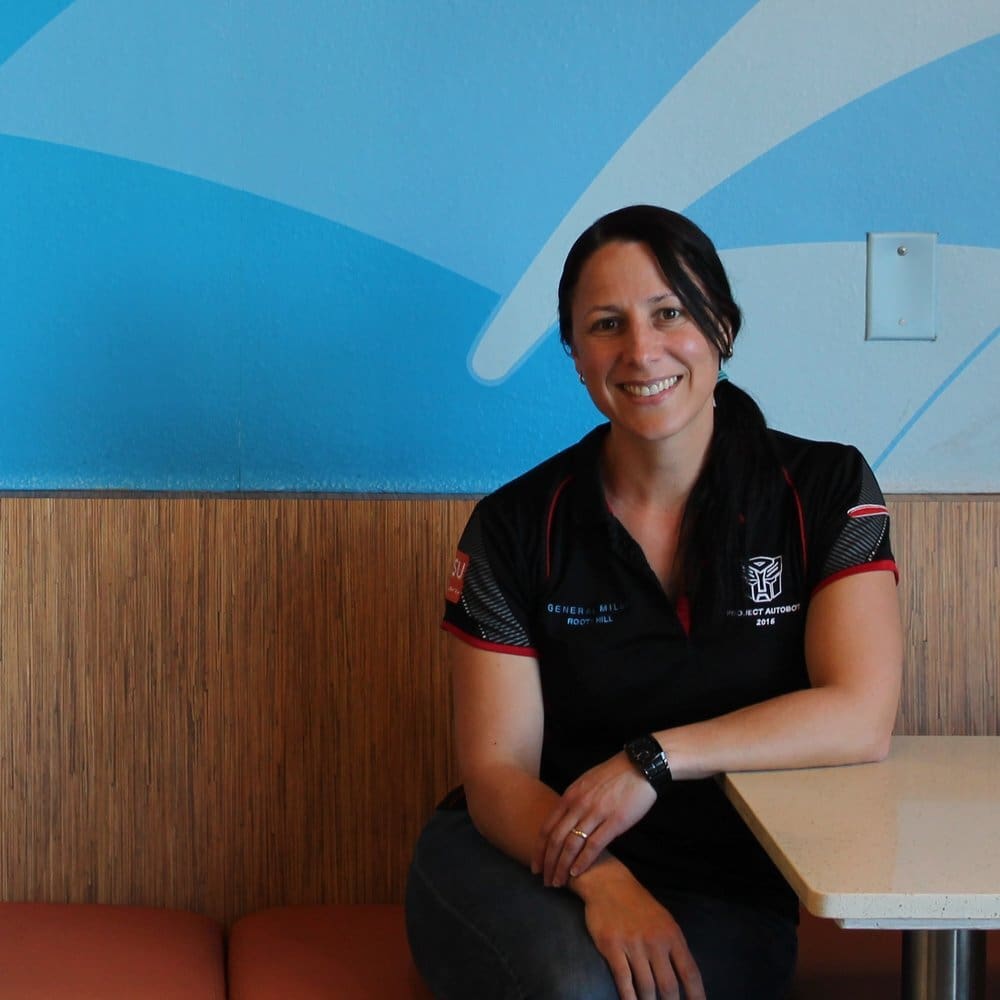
(763, 578)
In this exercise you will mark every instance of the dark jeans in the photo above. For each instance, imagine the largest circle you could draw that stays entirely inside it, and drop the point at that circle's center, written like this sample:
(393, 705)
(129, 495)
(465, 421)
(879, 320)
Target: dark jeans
(482, 927)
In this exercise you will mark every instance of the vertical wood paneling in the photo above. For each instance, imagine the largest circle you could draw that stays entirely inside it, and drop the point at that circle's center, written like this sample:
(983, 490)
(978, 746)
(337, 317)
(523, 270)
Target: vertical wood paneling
(222, 703)
(948, 551)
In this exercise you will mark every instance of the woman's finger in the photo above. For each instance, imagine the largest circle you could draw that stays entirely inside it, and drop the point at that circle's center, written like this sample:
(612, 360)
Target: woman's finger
(561, 851)
(666, 978)
(643, 980)
(592, 849)
(688, 973)
(573, 845)
(621, 972)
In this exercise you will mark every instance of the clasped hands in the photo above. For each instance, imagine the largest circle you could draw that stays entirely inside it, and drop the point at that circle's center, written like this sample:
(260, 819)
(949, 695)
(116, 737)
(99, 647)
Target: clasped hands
(600, 805)
(642, 944)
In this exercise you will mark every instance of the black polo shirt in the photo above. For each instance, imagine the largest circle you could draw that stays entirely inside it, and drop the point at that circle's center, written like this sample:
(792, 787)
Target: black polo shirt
(545, 570)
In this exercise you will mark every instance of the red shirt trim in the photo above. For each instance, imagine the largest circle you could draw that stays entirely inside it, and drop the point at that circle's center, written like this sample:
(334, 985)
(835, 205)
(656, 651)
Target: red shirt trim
(683, 611)
(493, 647)
(882, 564)
(869, 510)
(548, 525)
(802, 521)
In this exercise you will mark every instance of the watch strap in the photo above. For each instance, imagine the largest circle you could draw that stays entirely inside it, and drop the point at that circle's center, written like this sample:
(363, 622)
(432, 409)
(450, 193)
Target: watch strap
(650, 759)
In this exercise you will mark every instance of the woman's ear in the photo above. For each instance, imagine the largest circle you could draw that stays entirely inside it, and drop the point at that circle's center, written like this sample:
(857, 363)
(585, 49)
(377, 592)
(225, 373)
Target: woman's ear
(726, 341)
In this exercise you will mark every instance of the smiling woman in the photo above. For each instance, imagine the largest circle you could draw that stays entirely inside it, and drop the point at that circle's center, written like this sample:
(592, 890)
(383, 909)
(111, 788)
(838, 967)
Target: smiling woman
(682, 593)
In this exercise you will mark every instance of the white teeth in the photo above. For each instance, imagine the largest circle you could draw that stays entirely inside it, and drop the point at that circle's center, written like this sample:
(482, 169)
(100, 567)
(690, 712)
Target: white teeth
(652, 388)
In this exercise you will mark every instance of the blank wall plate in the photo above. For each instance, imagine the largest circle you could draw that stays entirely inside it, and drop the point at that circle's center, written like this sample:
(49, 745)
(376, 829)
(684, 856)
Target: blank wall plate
(902, 295)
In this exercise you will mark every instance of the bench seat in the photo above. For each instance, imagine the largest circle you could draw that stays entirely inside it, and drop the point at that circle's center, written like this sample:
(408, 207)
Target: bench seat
(359, 952)
(352, 951)
(91, 951)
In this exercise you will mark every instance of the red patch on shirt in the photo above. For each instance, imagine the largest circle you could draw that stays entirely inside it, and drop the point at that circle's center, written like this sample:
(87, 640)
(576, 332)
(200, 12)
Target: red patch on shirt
(457, 579)
(867, 510)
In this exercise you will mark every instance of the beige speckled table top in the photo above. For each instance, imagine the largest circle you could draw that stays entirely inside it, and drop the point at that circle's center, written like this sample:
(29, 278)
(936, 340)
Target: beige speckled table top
(911, 842)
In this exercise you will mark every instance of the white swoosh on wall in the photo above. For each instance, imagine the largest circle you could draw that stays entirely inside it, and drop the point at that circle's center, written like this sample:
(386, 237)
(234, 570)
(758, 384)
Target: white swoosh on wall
(780, 69)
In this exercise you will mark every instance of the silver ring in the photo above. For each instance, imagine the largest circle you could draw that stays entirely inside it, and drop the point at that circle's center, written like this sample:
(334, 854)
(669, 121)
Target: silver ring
(579, 833)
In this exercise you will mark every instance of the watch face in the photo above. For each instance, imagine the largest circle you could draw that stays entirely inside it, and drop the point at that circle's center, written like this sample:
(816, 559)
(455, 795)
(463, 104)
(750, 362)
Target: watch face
(644, 756)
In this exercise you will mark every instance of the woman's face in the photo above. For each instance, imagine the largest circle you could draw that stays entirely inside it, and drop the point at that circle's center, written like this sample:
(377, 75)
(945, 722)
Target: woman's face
(646, 365)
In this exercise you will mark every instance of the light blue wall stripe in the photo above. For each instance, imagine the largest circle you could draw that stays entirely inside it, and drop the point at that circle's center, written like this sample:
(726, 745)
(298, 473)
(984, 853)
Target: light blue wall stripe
(936, 395)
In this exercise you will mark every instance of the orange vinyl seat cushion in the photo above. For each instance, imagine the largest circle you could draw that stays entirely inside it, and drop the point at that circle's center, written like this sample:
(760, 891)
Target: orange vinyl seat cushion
(91, 951)
(351, 951)
(359, 952)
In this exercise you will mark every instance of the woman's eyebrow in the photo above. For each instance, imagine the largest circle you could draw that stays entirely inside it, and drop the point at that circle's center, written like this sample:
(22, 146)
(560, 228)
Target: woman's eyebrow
(664, 297)
(651, 301)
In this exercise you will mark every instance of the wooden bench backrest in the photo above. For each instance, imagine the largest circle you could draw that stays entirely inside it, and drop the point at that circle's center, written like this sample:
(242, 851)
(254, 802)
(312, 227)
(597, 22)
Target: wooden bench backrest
(222, 704)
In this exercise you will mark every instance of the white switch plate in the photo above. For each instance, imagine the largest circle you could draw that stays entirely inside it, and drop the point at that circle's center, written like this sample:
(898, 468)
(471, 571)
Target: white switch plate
(902, 293)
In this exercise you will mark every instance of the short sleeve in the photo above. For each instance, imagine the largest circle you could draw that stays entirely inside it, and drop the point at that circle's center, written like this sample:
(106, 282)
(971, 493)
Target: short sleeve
(849, 529)
(485, 599)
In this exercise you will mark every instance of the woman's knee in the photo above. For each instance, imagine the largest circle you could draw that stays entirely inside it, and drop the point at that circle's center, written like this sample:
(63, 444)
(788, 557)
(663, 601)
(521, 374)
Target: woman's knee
(481, 925)
(454, 957)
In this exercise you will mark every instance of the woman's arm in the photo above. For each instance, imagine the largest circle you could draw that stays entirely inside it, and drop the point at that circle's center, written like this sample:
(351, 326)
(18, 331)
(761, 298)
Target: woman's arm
(854, 655)
(498, 731)
(498, 726)
(853, 650)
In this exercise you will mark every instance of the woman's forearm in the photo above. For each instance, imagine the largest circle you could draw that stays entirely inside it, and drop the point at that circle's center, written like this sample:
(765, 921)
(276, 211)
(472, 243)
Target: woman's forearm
(810, 728)
(854, 654)
(508, 806)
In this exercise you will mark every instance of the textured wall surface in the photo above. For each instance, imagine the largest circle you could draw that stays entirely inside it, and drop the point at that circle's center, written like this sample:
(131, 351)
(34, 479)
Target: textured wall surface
(312, 246)
(227, 703)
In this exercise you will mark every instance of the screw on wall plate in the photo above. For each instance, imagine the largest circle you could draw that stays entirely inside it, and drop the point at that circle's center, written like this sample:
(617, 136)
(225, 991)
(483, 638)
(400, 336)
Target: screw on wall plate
(902, 251)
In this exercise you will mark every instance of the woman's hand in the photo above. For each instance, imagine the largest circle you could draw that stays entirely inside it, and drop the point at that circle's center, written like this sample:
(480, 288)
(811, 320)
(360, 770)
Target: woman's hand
(602, 803)
(637, 937)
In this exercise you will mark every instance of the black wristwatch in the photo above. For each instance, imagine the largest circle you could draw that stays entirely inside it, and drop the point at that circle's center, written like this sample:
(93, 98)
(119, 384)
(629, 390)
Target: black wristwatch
(648, 756)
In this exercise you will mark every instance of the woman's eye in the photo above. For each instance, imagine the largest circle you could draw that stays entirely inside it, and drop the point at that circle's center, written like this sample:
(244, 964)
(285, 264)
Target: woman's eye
(670, 313)
(606, 324)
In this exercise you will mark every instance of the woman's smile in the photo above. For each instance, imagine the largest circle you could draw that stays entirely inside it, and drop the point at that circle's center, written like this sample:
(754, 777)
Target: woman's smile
(647, 389)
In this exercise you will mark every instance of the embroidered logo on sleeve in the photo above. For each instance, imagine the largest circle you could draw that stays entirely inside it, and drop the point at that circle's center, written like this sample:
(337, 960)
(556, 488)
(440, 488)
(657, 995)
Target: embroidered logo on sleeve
(868, 510)
(457, 579)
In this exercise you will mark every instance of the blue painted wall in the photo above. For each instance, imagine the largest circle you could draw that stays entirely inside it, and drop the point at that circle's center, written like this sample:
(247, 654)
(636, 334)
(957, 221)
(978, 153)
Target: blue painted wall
(314, 246)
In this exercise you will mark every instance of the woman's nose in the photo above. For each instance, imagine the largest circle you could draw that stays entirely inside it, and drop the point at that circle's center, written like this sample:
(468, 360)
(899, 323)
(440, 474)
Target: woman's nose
(643, 342)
